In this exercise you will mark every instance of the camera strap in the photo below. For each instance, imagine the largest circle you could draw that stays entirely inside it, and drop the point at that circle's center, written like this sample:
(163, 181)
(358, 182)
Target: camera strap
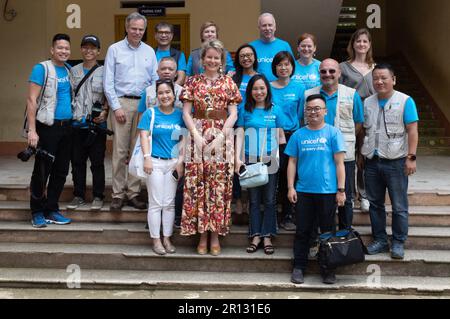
(85, 78)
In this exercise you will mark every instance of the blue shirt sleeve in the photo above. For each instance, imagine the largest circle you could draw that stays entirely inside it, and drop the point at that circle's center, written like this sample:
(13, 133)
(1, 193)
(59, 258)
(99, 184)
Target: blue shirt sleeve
(182, 62)
(338, 144)
(230, 63)
(410, 114)
(37, 75)
(144, 124)
(189, 70)
(301, 109)
(292, 146)
(358, 109)
(240, 121)
(142, 107)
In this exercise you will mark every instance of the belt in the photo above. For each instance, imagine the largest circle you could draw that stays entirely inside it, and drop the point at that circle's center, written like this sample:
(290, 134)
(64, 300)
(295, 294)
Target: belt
(162, 158)
(131, 97)
(62, 123)
(380, 159)
(211, 115)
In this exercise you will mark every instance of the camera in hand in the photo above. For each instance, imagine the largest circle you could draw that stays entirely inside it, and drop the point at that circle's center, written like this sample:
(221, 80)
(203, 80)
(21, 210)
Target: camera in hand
(30, 151)
(96, 128)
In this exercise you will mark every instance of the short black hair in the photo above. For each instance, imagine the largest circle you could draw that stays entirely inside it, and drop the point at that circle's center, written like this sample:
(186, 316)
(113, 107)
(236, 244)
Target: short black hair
(384, 66)
(164, 25)
(282, 55)
(60, 36)
(250, 103)
(168, 82)
(316, 97)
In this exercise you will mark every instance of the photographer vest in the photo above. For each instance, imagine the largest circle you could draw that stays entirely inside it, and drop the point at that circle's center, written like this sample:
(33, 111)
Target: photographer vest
(46, 102)
(91, 91)
(385, 129)
(344, 117)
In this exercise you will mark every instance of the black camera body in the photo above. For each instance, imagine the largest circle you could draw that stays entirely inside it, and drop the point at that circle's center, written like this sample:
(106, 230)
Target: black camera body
(30, 151)
(95, 128)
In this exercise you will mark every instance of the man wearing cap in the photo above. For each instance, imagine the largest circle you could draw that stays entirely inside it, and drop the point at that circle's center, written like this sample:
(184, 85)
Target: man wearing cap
(130, 67)
(90, 111)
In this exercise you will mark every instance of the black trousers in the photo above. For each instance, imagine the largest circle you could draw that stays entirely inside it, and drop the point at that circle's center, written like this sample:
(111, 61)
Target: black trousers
(56, 140)
(287, 209)
(92, 146)
(310, 209)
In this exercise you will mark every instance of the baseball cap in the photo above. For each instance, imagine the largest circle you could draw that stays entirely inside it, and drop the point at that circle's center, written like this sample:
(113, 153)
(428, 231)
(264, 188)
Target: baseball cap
(92, 39)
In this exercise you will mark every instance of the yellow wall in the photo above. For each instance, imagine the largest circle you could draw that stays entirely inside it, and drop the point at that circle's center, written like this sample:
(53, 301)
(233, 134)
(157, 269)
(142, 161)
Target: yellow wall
(26, 40)
(420, 30)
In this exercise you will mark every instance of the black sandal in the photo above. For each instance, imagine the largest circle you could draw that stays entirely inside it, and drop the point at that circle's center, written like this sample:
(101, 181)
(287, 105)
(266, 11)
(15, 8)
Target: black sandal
(269, 250)
(253, 248)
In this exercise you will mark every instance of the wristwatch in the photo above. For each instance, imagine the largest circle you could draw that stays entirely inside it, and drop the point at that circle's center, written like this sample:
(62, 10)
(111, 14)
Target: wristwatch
(341, 190)
(412, 157)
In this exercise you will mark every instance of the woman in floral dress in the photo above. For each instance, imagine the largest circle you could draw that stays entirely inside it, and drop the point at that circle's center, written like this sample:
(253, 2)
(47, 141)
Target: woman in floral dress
(210, 112)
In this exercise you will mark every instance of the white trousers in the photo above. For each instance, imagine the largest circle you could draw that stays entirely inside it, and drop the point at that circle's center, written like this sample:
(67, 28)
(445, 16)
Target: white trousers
(161, 188)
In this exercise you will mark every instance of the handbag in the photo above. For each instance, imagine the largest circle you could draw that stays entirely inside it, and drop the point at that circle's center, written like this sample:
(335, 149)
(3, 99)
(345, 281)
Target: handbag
(341, 248)
(257, 174)
(136, 164)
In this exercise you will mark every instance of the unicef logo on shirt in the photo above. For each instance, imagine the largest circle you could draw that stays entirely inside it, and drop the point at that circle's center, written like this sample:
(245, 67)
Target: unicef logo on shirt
(323, 140)
(313, 77)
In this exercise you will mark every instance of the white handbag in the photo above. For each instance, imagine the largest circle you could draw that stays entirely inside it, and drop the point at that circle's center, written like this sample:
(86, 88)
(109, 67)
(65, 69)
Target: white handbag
(136, 164)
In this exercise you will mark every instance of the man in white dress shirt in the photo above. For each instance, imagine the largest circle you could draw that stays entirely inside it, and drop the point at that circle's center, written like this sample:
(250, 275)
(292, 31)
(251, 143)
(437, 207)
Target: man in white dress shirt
(130, 67)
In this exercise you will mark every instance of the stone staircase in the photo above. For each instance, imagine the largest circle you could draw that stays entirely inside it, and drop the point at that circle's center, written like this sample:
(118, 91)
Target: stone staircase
(434, 134)
(113, 251)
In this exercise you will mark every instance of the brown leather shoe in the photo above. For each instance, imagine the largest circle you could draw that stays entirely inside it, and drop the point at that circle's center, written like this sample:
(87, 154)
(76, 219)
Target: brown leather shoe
(116, 204)
(134, 202)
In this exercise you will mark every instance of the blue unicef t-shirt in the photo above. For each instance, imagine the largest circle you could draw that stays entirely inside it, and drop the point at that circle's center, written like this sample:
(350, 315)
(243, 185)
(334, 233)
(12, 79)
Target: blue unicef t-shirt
(314, 150)
(410, 114)
(287, 99)
(331, 101)
(255, 124)
(181, 63)
(167, 130)
(308, 75)
(64, 91)
(243, 89)
(266, 52)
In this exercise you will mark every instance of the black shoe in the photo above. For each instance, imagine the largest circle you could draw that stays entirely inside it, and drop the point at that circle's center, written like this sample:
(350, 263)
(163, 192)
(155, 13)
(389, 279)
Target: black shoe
(328, 277)
(297, 276)
(116, 204)
(134, 202)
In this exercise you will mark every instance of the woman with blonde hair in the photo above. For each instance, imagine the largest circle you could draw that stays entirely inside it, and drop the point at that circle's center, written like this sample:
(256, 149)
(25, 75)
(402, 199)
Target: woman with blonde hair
(210, 112)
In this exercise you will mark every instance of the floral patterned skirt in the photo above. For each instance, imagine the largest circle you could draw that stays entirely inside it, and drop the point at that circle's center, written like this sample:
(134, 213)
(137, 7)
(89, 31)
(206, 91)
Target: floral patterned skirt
(208, 185)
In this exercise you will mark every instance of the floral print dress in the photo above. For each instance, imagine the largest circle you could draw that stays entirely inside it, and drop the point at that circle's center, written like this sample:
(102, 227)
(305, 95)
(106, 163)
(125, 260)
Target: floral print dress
(209, 178)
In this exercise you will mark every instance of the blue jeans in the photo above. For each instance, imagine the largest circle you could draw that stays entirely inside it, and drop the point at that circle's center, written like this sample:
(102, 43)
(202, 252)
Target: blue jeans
(345, 213)
(265, 224)
(381, 174)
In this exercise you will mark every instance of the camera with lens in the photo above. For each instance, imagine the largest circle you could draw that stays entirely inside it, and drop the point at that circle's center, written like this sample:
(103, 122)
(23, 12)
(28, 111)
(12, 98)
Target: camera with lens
(30, 151)
(96, 128)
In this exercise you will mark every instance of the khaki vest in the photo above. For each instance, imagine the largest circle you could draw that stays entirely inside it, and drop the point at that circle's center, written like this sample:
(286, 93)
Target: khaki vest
(47, 99)
(90, 92)
(344, 117)
(385, 128)
(152, 100)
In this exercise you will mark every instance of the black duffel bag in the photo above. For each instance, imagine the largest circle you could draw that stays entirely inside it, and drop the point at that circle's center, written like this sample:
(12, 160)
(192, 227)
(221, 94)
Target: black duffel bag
(341, 248)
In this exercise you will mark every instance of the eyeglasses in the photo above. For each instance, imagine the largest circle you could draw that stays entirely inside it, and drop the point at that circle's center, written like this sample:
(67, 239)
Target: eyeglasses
(164, 32)
(163, 81)
(246, 56)
(330, 71)
(314, 109)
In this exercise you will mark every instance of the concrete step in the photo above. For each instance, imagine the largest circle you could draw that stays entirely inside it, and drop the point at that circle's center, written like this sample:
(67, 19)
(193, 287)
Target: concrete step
(431, 141)
(426, 263)
(433, 151)
(274, 285)
(419, 215)
(427, 238)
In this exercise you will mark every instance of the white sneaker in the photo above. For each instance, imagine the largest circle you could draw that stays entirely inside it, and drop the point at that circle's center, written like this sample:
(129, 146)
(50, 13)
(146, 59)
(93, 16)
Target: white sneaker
(365, 205)
(97, 204)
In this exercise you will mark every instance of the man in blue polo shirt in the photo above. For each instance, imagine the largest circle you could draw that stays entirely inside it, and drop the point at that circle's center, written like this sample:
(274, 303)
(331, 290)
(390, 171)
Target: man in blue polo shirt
(267, 46)
(49, 115)
(390, 144)
(344, 111)
(316, 157)
(164, 35)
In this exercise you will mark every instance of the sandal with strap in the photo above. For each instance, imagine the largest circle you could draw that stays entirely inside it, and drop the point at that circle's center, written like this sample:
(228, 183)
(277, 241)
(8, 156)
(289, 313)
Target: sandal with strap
(253, 248)
(269, 250)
